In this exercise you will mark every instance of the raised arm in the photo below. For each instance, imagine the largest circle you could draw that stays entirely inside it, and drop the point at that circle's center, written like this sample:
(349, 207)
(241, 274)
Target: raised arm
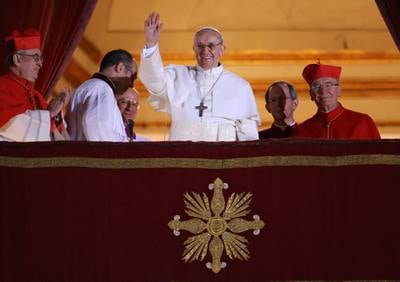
(152, 29)
(151, 70)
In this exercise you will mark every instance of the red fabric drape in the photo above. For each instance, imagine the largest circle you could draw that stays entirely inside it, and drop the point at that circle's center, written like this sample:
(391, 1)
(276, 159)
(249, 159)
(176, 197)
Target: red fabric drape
(390, 10)
(93, 211)
(61, 24)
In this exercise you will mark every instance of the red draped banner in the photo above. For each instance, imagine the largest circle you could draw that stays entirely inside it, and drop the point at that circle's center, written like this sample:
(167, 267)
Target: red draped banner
(100, 211)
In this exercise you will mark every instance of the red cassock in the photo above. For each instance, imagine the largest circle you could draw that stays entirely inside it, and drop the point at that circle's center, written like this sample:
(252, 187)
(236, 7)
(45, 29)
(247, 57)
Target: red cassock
(340, 123)
(16, 96)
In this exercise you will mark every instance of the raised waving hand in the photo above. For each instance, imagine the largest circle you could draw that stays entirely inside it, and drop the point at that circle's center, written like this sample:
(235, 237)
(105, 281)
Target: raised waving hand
(152, 29)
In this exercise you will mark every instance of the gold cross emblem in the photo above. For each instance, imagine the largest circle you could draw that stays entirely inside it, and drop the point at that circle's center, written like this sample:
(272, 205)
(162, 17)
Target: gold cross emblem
(216, 226)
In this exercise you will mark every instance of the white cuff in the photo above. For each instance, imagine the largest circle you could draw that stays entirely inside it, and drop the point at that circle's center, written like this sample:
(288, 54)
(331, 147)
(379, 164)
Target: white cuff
(147, 52)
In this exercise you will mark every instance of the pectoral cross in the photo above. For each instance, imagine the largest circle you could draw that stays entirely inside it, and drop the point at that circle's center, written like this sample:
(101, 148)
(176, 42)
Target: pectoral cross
(201, 108)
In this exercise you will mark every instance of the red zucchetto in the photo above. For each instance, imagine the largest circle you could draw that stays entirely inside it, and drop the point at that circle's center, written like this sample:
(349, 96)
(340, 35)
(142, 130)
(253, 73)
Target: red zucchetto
(314, 71)
(28, 39)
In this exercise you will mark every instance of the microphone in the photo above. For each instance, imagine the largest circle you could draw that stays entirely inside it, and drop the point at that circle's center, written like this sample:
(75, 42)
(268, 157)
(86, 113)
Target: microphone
(129, 125)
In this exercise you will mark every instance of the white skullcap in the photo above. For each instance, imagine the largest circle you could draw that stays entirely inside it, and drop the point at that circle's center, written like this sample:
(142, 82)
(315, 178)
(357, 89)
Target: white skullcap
(209, 28)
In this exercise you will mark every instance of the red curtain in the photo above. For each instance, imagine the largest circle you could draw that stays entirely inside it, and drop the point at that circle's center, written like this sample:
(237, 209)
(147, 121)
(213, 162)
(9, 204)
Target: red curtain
(61, 24)
(390, 10)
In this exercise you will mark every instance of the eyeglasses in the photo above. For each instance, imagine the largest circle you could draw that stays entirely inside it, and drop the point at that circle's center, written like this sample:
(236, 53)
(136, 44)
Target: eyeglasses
(37, 58)
(210, 46)
(124, 102)
(327, 85)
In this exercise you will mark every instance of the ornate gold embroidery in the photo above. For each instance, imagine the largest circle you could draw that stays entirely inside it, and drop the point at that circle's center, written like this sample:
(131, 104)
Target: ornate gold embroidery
(241, 162)
(216, 221)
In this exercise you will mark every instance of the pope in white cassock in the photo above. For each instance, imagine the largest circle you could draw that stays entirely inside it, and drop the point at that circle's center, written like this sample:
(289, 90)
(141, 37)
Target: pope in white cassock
(206, 101)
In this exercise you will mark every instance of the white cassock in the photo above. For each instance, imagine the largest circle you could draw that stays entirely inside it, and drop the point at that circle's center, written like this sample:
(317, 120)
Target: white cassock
(95, 115)
(231, 112)
(33, 125)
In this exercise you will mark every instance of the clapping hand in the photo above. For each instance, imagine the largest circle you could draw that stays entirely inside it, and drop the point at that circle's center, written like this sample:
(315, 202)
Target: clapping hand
(59, 102)
(152, 29)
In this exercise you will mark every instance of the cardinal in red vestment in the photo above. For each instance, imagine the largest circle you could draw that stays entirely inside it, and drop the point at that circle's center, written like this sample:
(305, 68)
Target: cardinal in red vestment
(332, 120)
(24, 114)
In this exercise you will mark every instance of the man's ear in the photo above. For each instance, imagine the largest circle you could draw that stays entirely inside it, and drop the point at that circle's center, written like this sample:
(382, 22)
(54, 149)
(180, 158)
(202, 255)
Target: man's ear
(223, 49)
(295, 104)
(16, 60)
(119, 67)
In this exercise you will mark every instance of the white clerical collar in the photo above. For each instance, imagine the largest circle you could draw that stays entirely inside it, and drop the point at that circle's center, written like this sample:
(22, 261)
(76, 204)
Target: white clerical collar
(213, 71)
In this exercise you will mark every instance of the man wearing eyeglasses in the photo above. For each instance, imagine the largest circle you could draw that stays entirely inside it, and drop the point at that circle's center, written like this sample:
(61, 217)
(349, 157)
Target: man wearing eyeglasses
(95, 115)
(129, 105)
(206, 101)
(332, 120)
(24, 114)
(281, 102)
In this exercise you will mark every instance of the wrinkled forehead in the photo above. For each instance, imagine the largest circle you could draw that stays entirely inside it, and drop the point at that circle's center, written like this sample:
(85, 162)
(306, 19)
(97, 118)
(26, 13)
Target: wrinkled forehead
(207, 33)
(324, 80)
(130, 94)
